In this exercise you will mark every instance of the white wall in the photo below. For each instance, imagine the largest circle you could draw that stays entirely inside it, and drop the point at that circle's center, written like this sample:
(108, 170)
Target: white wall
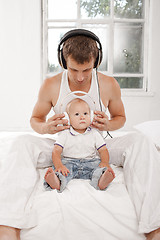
(20, 66)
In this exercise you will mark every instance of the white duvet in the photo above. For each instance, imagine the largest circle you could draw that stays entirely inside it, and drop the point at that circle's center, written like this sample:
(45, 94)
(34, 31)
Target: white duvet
(80, 212)
(84, 213)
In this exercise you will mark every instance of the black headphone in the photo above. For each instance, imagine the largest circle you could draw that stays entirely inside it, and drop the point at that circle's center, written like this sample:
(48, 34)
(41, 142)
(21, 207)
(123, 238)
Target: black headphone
(78, 32)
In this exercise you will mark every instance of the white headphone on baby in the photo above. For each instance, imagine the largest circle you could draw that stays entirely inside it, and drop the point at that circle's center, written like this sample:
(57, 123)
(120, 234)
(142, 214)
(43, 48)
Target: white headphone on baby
(73, 95)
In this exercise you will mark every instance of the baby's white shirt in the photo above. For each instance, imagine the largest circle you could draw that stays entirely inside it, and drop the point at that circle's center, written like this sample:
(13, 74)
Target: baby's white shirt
(77, 145)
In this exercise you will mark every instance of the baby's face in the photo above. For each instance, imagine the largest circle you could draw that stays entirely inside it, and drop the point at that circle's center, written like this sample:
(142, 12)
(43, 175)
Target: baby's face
(79, 114)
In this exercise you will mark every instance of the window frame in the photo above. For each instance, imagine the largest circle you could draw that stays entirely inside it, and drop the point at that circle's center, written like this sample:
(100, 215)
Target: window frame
(110, 21)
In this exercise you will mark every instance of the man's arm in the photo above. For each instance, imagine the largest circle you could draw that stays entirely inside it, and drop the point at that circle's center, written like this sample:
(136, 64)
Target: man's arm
(116, 109)
(111, 97)
(47, 94)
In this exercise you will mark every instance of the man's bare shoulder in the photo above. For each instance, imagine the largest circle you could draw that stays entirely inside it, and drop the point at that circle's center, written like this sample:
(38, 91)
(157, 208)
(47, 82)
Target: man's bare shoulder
(107, 80)
(108, 84)
(54, 81)
(50, 88)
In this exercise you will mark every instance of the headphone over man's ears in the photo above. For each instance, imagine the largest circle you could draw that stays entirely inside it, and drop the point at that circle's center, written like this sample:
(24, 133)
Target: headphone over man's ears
(78, 32)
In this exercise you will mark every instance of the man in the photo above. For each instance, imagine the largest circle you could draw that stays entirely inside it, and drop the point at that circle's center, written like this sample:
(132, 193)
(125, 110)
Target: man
(79, 54)
(79, 68)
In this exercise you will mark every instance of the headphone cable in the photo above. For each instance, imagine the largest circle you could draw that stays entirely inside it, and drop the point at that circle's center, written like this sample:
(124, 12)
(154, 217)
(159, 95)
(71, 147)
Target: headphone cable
(99, 96)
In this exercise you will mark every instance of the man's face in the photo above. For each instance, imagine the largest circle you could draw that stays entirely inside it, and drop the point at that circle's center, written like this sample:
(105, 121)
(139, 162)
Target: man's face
(79, 74)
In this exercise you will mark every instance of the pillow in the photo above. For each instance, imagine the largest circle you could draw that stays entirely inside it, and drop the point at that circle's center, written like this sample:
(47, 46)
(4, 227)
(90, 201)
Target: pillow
(152, 130)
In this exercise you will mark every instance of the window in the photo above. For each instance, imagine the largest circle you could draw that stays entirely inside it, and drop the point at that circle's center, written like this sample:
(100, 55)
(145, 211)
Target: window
(121, 26)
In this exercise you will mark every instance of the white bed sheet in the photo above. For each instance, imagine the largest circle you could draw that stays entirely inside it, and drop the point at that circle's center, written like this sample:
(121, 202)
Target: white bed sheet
(81, 212)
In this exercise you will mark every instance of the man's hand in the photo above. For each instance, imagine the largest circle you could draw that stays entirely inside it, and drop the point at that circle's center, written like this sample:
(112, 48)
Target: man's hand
(62, 169)
(100, 121)
(56, 124)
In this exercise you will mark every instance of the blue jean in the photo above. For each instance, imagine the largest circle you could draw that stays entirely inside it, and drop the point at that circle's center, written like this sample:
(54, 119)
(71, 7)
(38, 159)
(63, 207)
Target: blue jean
(79, 169)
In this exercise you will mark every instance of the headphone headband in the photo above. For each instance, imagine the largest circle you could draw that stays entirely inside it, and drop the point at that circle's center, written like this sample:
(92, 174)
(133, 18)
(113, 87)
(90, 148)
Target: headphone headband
(73, 95)
(78, 32)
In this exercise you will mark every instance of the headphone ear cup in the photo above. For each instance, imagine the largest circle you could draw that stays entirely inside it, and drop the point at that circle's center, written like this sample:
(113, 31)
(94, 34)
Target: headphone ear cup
(98, 59)
(96, 64)
(61, 59)
(67, 117)
(92, 116)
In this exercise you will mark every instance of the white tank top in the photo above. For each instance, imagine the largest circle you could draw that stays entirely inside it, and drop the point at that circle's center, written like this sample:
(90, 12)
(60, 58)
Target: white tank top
(93, 93)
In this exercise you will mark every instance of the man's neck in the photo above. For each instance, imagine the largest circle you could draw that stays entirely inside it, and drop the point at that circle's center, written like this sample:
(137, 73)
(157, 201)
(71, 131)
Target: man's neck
(76, 87)
(79, 87)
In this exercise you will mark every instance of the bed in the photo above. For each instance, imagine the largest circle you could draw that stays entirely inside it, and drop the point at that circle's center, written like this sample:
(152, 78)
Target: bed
(82, 212)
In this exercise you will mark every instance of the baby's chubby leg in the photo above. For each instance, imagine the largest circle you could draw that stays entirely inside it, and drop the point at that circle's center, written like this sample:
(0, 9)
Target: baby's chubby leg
(52, 179)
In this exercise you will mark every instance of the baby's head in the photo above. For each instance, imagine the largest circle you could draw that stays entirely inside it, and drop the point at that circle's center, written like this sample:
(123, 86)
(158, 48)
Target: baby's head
(79, 114)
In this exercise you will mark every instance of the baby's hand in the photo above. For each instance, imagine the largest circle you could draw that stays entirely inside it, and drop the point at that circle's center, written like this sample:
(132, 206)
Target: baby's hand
(62, 169)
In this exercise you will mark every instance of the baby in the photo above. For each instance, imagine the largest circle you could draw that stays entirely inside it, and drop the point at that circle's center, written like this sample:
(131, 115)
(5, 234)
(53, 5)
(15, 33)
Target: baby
(75, 153)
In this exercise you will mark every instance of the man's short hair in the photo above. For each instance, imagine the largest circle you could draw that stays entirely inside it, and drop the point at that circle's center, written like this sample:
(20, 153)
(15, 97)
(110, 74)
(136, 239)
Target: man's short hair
(81, 48)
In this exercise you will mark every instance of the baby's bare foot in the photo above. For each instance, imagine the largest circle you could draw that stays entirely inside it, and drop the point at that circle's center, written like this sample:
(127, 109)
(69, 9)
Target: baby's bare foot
(52, 179)
(106, 178)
